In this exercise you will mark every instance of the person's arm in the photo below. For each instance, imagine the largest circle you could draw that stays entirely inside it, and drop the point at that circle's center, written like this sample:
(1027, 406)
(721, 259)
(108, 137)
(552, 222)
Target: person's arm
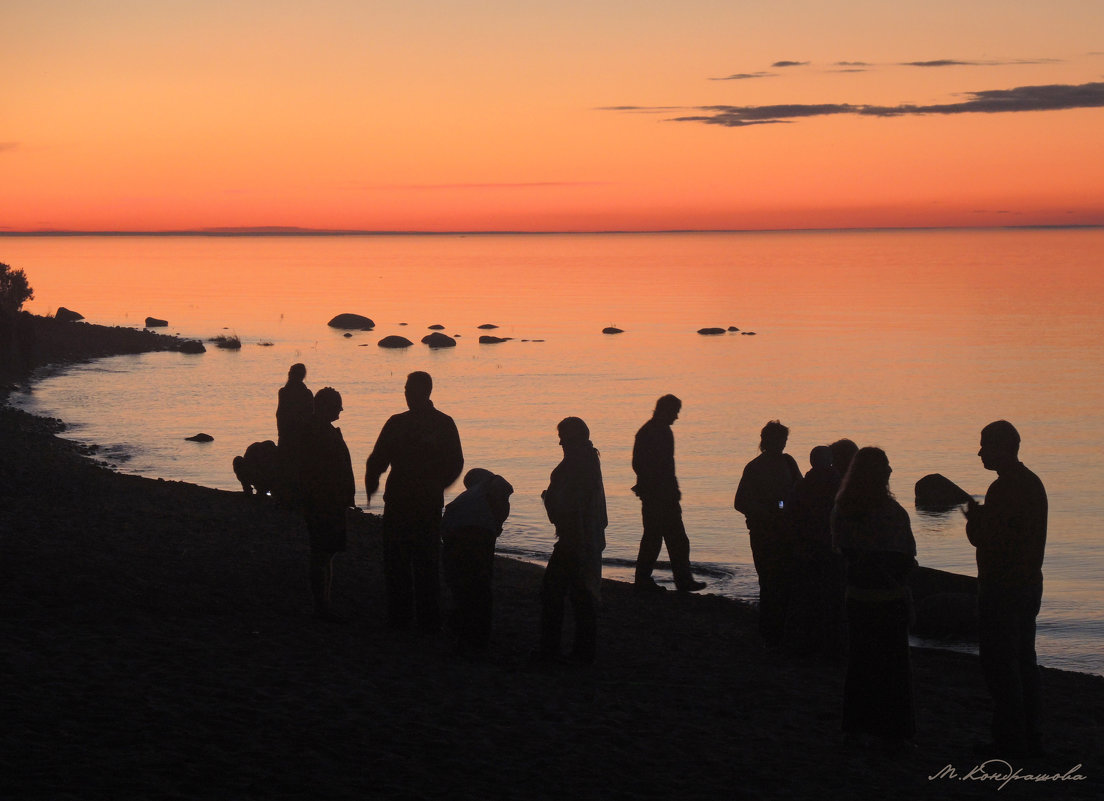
(452, 461)
(378, 461)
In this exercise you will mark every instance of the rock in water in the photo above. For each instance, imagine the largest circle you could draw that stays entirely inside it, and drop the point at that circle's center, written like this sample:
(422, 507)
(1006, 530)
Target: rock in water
(711, 331)
(487, 339)
(352, 322)
(200, 437)
(395, 341)
(613, 330)
(154, 322)
(439, 340)
(937, 492)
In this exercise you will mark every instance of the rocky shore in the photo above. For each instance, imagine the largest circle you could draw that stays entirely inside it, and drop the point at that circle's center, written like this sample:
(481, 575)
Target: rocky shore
(156, 642)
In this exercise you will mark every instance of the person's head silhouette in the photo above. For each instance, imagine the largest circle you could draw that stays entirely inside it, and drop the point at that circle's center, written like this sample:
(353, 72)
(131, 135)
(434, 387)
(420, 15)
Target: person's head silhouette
(327, 404)
(419, 386)
(573, 431)
(773, 437)
(296, 373)
(667, 409)
(1000, 445)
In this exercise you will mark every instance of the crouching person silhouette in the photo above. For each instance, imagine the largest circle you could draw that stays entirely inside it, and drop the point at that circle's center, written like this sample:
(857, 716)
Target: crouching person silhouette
(469, 527)
(576, 505)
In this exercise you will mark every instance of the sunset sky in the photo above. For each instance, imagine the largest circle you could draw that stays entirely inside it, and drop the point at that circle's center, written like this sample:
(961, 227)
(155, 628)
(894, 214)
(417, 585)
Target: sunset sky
(568, 115)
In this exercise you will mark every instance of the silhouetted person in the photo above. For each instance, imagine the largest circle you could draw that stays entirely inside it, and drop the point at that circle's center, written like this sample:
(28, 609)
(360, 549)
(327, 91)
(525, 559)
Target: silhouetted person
(576, 505)
(766, 483)
(469, 527)
(653, 460)
(843, 451)
(1009, 533)
(816, 614)
(422, 448)
(295, 405)
(873, 533)
(328, 490)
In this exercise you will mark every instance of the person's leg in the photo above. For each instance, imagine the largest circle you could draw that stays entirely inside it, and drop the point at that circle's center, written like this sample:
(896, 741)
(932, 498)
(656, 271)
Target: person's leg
(584, 606)
(650, 543)
(426, 554)
(997, 654)
(554, 588)
(321, 581)
(482, 597)
(1030, 679)
(398, 581)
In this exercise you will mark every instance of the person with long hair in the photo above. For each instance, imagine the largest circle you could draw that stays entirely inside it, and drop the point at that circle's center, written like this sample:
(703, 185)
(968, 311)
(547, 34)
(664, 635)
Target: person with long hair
(872, 531)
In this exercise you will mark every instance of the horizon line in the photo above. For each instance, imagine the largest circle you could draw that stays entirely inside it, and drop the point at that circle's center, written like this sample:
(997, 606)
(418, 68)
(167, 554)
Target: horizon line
(290, 231)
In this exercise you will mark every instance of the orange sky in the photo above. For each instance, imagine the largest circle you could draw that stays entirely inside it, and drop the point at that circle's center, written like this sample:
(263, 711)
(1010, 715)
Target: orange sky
(497, 115)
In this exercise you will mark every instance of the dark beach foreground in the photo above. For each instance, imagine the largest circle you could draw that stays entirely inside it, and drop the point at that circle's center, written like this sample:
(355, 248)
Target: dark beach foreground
(156, 642)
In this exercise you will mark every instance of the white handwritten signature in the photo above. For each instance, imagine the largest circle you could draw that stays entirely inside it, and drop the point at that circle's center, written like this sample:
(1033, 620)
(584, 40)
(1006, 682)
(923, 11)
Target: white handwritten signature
(997, 770)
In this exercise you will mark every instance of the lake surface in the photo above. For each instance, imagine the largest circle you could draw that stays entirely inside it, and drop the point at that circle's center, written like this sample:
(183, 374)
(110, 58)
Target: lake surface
(909, 340)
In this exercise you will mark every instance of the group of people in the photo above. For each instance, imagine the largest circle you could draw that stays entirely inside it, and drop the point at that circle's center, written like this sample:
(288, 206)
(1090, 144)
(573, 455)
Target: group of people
(833, 549)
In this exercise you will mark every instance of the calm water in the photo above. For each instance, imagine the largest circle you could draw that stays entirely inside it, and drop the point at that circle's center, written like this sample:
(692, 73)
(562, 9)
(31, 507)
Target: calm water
(907, 340)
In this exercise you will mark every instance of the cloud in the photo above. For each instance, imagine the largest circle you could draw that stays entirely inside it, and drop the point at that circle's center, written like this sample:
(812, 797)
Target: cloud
(951, 62)
(743, 76)
(790, 64)
(1020, 99)
(492, 185)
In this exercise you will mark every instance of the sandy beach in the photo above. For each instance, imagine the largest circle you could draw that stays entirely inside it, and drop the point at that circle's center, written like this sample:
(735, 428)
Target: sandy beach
(157, 642)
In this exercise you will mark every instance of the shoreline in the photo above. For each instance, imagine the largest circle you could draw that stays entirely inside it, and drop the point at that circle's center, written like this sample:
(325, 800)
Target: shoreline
(159, 643)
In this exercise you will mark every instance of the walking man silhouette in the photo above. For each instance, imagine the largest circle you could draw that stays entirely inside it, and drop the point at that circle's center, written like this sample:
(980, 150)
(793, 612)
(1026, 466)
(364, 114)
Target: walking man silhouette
(653, 460)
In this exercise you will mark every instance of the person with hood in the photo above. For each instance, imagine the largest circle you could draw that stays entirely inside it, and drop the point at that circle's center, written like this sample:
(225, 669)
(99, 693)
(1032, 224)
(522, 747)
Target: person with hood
(470, 525)
(294, 407)
(575, 502)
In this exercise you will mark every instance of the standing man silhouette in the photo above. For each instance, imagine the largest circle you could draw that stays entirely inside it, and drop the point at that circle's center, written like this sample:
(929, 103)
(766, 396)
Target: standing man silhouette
(653, 460)
(765, 485)
(422, 448)
(1009, 533)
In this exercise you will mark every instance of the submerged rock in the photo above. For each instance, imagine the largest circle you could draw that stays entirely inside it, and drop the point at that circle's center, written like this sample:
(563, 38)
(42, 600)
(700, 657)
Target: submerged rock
(191, 346)
(439, 340)
(200, 437)
(65, 315)
(355, 322)
(395, 341)
(711, 331)
(612, 330)
(488, 326)
(436, 327)
(733, 328)
(154, 322)
(487, 339)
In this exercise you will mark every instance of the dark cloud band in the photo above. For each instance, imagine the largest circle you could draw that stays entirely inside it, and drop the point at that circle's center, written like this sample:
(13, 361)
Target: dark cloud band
(1024, 98)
